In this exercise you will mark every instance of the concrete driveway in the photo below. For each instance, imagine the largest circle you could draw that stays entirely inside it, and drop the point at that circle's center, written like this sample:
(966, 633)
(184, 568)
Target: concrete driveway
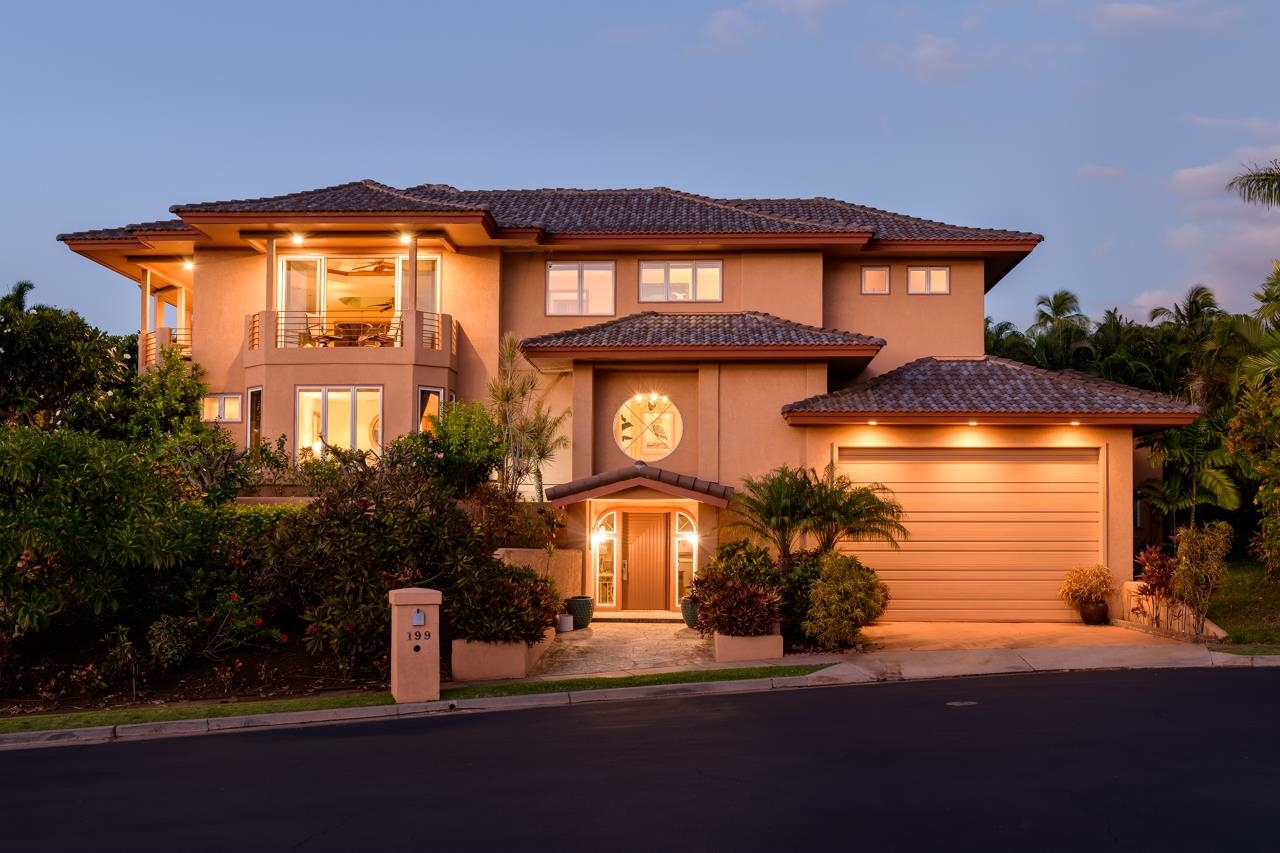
(942, 636)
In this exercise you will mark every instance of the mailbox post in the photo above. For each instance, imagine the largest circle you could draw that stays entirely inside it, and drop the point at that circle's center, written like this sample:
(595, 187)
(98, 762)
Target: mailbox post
(415, 644)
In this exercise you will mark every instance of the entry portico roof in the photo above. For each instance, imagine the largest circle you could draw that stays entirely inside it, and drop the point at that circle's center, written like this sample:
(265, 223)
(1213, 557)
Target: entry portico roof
(992, 390)
(733, 335)
(644, 476)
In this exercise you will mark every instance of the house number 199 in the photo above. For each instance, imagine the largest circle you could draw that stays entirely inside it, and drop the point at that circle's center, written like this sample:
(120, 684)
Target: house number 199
(417, 635)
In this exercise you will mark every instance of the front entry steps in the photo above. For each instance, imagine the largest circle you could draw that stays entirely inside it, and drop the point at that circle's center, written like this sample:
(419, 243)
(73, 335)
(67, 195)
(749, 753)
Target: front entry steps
(660, 616)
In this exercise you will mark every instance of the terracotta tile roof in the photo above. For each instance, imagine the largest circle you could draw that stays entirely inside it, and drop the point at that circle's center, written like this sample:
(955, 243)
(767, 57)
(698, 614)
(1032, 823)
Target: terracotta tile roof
(884, 224)
(658, 330)
(624, 211)
(568, 211)
(124, 232)
(355, 197)
(625, 477)
(989, 386)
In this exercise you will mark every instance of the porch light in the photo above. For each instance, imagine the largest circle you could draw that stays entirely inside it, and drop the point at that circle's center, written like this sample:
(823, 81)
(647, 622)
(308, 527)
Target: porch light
(188, 265)
(317, 446)
(405, 239)
(297, 239)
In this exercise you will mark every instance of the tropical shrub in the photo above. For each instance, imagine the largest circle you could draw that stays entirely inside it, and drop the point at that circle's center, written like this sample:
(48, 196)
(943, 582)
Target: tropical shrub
(1155, 583)
(503, 520)
(492, 602)
(806, 566)
(86, 526)
(375, 529)
(461, 449)
(1086, 584)
(846, 596)
(738, 592)
(1202, 567)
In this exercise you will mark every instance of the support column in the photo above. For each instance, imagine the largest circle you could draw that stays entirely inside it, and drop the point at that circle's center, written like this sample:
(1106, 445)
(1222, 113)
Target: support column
(268, 327)
(269, 298)
(583, 420)
(144, 320)
(409, 325)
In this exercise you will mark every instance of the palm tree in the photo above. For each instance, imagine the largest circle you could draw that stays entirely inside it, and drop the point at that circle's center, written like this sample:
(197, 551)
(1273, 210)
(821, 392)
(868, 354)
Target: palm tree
(1192, 322)
(1259, 184)
(542, 442)
(841, 509)
(1268, 296)
(1004, 340)
(510, 392)
(1060, 333)
(775, 508)
(1196, 461)
(1060, 309)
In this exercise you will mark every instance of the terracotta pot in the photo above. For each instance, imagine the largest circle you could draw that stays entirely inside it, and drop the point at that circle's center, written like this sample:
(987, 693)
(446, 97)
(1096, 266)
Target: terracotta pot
(1094, 613)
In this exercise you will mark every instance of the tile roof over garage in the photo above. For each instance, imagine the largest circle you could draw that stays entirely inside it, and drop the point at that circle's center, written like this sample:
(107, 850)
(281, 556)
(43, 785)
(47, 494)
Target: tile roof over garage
(746, 329)
(986, 386)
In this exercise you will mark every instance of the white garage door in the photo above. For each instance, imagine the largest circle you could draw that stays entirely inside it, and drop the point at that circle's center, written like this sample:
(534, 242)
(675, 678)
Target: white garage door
(993, 531)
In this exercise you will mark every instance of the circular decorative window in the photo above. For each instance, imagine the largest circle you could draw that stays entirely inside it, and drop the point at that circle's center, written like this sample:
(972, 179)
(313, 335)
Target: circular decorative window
(648, 427)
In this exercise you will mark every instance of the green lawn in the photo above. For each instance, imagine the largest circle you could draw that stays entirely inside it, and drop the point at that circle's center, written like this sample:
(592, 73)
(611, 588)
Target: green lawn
(85, 719)
(1247, 606)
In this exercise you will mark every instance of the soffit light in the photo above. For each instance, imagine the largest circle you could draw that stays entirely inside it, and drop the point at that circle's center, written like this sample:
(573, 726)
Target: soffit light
(406, 239)
(297, 239)
(973, 423)
(188, 265)
(1075, 423)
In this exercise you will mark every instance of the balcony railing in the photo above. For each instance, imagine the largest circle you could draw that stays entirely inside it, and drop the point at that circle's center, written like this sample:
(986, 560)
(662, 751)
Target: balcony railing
(307, 330)
(151, 344)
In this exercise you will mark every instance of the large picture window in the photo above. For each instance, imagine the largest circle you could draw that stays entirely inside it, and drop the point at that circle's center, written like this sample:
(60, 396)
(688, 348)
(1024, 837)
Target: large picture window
(681, 281)
(581, 289)
(339, 416)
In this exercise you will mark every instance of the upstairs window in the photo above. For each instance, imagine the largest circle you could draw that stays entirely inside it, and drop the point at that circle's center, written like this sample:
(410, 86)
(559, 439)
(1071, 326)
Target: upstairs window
(929, 280)
(681, 281)
(580, 289)
(875, 280)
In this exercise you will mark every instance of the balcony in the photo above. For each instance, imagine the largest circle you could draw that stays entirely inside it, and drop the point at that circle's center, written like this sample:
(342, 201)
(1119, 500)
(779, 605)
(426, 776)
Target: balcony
(351, 337)
(151, 344)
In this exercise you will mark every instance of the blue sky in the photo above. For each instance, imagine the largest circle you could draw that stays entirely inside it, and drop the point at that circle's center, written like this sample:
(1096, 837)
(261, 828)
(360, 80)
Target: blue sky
(1110, 128)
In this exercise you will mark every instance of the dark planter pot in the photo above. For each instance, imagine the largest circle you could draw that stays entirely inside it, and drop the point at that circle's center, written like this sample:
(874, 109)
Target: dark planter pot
(583, 607)
(689, 610)
(1094, 612)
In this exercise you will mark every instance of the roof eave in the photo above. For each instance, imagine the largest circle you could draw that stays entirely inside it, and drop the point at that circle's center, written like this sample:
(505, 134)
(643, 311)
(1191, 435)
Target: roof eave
(606, 489)
(703, 353)
(1153, 420)
(805, 239)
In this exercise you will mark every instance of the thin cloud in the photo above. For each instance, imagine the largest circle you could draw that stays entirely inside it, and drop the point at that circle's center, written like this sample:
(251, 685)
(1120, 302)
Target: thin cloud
(1115, 18)
(937, 58)
(1228, 244)
(1090, 170)
(1264, 128)
(733, 26)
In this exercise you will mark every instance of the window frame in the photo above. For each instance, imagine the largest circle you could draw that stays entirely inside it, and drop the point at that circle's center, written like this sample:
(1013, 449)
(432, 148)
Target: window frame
(582, 267)
(440, 408)
(929, 275)
(888, 281)
(666, 280)
(222, 398)
(325, 391)
(322, 261)
(251, 441)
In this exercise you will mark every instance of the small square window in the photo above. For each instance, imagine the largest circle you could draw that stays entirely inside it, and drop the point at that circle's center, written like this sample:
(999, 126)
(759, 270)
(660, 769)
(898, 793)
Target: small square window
(929, 280)
(875, 280)
(221, 407)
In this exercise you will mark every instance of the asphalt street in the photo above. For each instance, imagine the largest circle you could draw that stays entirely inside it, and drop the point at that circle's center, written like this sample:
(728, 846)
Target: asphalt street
(1160, 760)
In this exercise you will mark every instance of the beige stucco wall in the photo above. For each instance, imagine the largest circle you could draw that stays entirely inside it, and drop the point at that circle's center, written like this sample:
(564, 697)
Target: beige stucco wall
(614, 387)
(784, 284)
(469, 281)
(913, 325)
(228, 285)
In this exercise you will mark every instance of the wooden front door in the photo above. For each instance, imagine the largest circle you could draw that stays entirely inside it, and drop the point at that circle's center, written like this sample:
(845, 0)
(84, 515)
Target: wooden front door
(646, 543)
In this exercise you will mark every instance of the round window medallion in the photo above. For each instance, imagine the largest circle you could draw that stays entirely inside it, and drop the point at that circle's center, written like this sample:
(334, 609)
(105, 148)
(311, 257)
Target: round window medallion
(648, 427)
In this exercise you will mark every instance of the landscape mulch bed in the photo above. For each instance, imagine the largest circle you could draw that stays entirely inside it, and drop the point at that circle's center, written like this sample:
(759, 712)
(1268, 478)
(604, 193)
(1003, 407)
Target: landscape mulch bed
(250, 674)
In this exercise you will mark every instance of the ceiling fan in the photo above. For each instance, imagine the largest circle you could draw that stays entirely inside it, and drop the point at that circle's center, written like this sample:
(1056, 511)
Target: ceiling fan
(379, 265)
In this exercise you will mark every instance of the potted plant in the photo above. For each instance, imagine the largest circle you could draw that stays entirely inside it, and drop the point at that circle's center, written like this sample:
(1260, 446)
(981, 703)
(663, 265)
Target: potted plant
(738, 602)
(503, 619)
(1086, 588)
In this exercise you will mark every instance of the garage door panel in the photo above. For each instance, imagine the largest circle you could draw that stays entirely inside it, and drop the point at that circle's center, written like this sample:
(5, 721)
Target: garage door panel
(993, 530)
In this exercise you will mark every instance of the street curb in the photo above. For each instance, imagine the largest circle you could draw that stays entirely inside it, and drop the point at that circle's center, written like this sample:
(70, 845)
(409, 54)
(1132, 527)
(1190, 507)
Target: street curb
(875, 668)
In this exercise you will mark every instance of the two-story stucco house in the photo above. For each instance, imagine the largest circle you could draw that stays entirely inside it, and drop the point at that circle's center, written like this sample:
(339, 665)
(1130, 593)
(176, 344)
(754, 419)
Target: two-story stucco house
(694, 340)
